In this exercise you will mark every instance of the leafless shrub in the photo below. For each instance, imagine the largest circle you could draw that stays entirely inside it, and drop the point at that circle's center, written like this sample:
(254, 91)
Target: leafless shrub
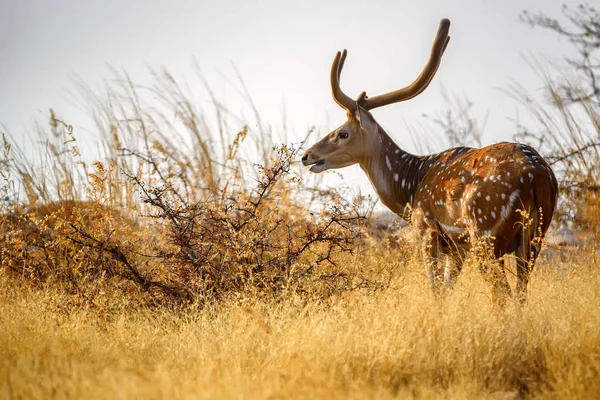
(209, 222)
(261, 240)
(580, 26)
(567, 126)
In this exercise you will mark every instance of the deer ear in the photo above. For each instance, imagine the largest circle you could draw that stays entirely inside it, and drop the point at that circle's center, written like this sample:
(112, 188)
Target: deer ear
(367, 122)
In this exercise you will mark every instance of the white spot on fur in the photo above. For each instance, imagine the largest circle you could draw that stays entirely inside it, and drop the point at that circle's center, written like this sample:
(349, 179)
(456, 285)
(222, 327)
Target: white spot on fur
(450, 228)
(388, 163)
(396, 177)
(511, 202)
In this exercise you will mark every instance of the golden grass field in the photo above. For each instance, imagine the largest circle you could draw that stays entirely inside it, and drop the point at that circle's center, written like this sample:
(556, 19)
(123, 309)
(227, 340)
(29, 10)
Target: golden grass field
(396, 342)
(188, 262)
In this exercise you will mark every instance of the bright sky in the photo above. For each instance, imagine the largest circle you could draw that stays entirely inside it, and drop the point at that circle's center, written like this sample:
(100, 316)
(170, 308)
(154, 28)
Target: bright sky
(283, 51)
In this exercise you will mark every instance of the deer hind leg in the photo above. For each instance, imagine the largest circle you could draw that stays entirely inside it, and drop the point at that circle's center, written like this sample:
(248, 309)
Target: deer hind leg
(526, 253)
(432, 255)
(493, 272)
(525, 260)
(491, 266)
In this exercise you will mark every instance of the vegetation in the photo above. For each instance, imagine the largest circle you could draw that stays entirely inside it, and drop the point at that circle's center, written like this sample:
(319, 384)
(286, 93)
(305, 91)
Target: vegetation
(567, 126)
(154, 271)
(365, 343)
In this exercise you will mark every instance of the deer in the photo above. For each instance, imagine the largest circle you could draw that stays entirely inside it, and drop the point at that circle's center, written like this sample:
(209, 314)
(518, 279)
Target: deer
(503, 194)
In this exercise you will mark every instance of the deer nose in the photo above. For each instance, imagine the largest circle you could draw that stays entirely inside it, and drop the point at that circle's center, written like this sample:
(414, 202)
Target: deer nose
(304, 158)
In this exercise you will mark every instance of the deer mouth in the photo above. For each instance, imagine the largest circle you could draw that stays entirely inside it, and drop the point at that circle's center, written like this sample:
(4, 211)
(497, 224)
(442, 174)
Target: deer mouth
(317, 166)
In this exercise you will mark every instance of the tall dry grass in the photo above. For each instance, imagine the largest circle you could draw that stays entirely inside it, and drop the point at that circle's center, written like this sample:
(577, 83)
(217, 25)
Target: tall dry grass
(393, 343)
(190, 259)
(177, 205)
(568, 134)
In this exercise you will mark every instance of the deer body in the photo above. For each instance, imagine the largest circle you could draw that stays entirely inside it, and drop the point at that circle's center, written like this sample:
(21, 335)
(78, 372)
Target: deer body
(504, 193)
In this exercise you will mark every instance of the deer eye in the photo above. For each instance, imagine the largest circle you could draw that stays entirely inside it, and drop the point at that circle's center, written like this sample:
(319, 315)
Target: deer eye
(343, 135)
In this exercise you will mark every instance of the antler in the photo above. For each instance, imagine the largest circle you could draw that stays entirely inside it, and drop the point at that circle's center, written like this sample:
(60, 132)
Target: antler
(423, 80)
(406, 93)
(336, 70)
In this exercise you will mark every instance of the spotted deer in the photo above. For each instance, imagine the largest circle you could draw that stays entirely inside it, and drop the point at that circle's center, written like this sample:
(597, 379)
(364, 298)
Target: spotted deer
(503, 194)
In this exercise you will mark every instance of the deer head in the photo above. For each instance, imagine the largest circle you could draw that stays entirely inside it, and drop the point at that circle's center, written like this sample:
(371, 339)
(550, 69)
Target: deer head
(357, 138)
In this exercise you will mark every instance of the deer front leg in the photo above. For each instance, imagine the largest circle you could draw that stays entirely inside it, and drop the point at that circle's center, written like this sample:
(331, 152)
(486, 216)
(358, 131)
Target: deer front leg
(431, 255)
(454, 262)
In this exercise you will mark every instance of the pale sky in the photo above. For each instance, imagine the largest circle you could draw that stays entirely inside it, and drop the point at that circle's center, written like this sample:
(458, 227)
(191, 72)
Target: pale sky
(282, 49)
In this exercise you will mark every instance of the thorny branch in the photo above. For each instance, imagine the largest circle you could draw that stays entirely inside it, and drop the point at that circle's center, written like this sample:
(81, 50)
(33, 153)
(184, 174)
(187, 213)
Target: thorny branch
(238, 238)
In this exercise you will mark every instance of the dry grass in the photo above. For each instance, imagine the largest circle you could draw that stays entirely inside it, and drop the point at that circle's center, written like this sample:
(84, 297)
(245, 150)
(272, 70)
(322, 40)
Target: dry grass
(393, 343)
(567, 133)
(192, 264)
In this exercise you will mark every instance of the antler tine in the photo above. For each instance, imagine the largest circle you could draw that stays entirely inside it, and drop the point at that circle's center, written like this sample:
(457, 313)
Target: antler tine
(341, 64)
(338, 95)
(420, 84)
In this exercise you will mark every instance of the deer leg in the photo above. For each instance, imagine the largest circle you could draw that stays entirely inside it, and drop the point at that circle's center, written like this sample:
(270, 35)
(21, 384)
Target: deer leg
(431, 255)
(454, 262)
(493, 273)
(522, 279)
(492, 269)
(526, 254)
(501, 291)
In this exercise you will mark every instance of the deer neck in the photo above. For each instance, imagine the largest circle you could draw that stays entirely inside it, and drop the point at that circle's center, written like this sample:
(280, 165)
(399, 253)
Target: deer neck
(394, 173)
